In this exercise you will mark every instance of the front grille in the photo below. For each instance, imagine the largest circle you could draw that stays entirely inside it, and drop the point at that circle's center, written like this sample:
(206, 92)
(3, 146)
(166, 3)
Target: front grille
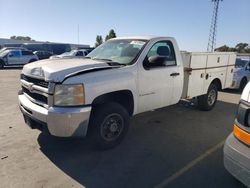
(36, 96)
(35, 81)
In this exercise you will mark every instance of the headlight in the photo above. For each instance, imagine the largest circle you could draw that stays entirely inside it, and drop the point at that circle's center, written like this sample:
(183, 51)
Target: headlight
(69, 95)
(243, 114)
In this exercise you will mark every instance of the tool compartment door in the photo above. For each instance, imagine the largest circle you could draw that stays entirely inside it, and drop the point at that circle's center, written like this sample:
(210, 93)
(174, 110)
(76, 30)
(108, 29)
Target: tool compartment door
(230, 71)
(216, 69)
(196, 76)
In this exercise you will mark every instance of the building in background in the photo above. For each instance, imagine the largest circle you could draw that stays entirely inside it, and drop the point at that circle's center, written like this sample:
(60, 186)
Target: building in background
(47, 46)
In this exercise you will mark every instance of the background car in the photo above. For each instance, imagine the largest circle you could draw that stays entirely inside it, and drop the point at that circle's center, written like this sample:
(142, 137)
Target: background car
(72, 53)
(16, 57)
(87, 49)
(43, 54)
(241, 72)
(12, 48)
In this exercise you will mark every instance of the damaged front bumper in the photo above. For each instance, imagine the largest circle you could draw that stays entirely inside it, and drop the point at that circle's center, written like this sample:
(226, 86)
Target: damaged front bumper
(58, 121)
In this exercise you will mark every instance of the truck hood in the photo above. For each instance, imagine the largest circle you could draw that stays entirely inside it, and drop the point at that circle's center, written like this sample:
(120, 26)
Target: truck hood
(56, 70)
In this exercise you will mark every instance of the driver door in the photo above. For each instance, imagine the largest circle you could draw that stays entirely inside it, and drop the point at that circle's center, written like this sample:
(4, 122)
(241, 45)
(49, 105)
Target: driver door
(14, 57)
(156, 81)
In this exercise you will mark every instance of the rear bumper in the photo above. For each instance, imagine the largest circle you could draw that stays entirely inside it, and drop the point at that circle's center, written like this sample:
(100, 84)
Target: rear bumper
(59, 121)
(237, 159)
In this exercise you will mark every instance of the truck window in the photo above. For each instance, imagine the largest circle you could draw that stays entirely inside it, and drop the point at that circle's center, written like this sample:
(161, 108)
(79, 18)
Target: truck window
(248, 67)
(123, 51)
(15, 53)
(163, 49)
(240, 63)
(25, 52)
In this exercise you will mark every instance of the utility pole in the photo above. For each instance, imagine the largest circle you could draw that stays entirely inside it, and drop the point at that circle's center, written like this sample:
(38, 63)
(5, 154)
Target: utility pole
(213, 28)
(78, 34)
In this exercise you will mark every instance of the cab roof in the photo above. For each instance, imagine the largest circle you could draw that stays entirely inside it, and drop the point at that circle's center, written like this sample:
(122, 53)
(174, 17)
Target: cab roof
(146, 37)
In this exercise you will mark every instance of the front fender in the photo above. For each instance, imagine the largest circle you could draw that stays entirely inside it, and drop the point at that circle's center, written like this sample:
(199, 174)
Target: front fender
(107, 81)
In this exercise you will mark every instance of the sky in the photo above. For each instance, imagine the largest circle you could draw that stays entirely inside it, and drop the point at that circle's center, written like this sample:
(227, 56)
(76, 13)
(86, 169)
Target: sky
(186, 20)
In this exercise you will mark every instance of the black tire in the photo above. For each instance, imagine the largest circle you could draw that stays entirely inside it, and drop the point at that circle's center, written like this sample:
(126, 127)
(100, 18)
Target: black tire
(208, 101)
(243, 83)
(1, 64)
(108, 126)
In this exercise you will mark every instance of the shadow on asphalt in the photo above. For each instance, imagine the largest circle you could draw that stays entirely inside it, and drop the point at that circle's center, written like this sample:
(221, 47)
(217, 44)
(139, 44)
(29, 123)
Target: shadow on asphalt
(12, 68)
(234, 91)
(158, 144)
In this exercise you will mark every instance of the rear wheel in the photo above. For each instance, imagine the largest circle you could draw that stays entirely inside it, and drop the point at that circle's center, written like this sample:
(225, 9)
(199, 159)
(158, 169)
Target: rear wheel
(207, 102)
(109, 124)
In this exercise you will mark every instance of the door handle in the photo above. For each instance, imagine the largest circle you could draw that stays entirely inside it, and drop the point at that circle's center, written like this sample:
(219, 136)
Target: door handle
(175, 74)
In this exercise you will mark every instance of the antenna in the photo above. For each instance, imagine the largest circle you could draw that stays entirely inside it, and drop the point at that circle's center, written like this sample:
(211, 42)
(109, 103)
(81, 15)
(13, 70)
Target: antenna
(213, 28)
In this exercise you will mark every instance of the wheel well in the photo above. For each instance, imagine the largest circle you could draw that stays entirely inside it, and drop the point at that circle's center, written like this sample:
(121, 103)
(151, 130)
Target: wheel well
(1, 61)
(217, 82)
(123, 97)
(244, 78)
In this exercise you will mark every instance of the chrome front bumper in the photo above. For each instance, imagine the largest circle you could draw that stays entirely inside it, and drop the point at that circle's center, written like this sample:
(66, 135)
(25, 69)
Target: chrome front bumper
(237, 159)
(61, 122)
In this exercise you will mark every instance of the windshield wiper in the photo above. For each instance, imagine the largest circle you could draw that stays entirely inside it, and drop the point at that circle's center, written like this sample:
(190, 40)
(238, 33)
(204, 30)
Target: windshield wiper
(102, 59)
(115, 64)
(110, 62)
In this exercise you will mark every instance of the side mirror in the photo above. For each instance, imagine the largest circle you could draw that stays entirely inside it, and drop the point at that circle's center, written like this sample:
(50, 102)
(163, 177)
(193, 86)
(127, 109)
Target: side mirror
(10, 55)
(157, 60)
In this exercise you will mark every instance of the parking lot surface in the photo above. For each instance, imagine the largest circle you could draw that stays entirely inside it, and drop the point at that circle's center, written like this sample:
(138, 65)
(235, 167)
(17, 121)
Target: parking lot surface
(177, 146)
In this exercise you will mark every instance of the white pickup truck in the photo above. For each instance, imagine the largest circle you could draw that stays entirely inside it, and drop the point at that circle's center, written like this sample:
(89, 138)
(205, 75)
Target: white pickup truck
(97, 94)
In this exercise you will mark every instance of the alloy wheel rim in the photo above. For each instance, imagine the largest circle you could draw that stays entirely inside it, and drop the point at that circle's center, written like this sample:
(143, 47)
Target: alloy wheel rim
(211, 97)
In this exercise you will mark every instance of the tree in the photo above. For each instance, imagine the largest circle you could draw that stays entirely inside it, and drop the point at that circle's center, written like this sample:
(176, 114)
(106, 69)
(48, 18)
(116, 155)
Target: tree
(13, 37)
(248, 49)
(111, 35)
(239, 48)
(21, 38)
(223, 48)
(99, 40)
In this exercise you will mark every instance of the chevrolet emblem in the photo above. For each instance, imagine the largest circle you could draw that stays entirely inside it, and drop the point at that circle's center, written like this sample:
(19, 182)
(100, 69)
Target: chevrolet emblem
(30, 87)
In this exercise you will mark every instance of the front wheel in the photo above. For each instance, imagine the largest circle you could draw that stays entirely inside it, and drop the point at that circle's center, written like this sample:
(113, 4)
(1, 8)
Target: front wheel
(109, 124)
(207, 102)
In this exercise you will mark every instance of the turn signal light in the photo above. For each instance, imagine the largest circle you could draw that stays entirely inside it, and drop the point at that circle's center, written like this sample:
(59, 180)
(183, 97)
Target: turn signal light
(241, 134)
